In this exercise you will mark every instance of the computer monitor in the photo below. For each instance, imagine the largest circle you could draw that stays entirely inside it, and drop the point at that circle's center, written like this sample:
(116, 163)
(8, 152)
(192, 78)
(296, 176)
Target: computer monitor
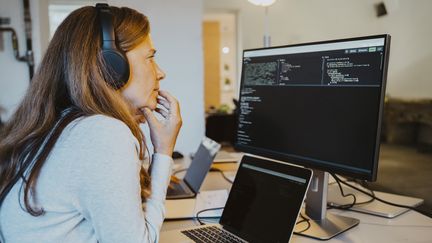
(317, 105)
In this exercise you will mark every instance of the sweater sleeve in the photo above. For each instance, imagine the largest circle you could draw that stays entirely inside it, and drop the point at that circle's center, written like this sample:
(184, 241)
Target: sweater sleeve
(108, 186)
(155, 205)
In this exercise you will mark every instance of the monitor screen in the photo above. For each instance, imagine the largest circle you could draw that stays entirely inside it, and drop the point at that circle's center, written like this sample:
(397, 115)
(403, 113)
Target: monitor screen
(316, 104)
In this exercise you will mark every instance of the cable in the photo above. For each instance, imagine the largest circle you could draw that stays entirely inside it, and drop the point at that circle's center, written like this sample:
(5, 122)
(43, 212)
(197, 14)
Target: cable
(304, 219)
(205, 210)
(350, 205)
(344, 206)
(428, 214)
(223, 174)
(346, 179)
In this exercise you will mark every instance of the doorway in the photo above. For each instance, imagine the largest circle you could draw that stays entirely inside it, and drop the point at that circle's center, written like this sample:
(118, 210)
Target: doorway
(220, 62)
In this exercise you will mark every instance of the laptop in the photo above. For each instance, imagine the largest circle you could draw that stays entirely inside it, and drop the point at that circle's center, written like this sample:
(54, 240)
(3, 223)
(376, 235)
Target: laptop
(189, 186)
(263, 205)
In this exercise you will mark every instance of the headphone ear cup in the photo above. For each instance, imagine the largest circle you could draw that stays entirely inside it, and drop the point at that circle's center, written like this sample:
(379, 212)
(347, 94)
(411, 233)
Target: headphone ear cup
(118, 68)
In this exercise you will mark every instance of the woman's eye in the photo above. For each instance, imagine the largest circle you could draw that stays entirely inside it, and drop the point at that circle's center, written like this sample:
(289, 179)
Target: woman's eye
(151, 59)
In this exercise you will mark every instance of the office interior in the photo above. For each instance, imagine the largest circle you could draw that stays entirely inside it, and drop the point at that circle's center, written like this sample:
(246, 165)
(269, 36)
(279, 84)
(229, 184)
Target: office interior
(200, 45)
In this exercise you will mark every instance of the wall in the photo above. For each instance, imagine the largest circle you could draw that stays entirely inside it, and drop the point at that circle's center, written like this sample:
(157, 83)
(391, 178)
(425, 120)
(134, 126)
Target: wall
(14, 75)
(295, 21)
(176, 32)
(14, 78)
(179, 54)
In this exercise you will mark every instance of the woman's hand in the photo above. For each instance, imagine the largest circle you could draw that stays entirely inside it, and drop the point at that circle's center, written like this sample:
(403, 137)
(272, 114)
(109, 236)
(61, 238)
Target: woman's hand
(163, 133)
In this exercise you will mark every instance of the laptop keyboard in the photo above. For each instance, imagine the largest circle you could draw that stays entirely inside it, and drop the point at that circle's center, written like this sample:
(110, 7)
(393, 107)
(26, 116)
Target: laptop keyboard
(211, 234)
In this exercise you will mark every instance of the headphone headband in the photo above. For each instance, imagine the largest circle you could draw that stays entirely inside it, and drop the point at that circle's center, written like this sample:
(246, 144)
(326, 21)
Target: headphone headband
(105, 19)
(115, 59)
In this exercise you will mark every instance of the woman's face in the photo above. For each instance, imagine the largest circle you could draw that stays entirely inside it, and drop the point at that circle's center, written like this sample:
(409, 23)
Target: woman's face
(143, 86)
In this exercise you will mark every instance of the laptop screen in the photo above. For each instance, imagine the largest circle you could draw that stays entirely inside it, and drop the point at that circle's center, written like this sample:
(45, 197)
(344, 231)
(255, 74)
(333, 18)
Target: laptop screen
(265, 200)
(201, 163)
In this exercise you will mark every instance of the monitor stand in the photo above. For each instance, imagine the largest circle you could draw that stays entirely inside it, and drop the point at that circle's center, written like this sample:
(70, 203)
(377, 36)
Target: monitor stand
(323, 225)
(375, 207)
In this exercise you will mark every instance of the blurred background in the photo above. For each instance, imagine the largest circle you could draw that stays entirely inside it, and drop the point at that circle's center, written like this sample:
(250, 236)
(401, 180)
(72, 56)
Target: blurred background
(200, 44)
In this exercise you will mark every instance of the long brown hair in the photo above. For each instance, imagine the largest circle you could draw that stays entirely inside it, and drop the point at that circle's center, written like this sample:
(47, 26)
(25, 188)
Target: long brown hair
(69, 84)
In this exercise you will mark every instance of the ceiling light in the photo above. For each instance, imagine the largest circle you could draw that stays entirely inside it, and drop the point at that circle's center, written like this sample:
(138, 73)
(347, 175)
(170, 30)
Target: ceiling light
(263, 3)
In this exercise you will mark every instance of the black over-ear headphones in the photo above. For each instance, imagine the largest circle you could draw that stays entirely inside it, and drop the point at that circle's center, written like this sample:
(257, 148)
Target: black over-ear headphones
(115, 59)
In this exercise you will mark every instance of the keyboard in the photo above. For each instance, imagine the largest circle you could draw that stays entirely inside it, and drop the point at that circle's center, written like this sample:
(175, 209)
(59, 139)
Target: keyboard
(211, 234)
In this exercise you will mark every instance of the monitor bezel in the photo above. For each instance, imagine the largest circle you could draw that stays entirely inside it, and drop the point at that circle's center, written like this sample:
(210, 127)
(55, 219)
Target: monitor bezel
(372, 175)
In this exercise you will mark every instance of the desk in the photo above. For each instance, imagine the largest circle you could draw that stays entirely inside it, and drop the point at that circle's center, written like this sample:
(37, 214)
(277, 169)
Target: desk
(408, 227)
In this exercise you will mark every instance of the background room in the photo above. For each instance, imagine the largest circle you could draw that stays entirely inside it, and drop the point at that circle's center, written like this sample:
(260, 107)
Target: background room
(200, 45)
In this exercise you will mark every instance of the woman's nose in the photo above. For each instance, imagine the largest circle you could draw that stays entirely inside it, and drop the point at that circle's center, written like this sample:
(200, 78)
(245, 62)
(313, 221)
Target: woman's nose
(160, 74)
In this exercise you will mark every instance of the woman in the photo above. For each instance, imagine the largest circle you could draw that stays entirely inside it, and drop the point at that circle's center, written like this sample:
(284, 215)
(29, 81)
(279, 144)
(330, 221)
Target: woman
(71, 157)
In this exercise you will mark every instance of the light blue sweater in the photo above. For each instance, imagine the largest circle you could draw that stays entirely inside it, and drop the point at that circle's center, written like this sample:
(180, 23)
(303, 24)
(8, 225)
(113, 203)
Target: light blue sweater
(89, 189)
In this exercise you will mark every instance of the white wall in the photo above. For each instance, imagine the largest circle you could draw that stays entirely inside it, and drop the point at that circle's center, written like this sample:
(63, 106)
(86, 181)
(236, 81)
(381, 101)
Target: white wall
(296, 21)
(177, 34)
(14, 75)
(176, 31)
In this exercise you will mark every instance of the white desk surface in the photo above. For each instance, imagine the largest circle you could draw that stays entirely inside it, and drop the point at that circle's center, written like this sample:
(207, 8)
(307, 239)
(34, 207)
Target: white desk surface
(408, 227)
